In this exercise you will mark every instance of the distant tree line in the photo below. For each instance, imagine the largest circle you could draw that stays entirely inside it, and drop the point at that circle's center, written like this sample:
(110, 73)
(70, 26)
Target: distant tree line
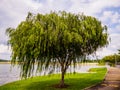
(1, 60)
(111, 59)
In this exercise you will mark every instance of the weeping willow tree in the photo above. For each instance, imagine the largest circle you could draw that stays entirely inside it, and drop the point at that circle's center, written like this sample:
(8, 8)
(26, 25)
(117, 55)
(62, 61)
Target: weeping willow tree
(55, 39)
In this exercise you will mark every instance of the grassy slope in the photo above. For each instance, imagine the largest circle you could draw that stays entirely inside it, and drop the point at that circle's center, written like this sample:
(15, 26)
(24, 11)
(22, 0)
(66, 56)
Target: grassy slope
(76, 81)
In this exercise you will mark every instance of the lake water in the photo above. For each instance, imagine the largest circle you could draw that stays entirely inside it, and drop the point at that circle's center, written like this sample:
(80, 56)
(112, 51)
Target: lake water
(9, 74)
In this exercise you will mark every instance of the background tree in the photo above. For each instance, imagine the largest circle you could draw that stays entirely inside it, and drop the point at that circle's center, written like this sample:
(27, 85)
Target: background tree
(111, 59)
(118, 51)
(55, 40)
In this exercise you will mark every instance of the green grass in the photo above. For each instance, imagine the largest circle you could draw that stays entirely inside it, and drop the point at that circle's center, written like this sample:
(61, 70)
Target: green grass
(76, 81)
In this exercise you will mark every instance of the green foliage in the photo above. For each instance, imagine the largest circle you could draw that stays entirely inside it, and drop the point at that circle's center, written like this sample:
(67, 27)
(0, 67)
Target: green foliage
(55, 39)
(118, 51)
(111, 59)
(77, 81)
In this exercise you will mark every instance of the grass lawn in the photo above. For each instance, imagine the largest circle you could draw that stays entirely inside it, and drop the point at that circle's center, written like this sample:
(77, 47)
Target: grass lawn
(76, 81)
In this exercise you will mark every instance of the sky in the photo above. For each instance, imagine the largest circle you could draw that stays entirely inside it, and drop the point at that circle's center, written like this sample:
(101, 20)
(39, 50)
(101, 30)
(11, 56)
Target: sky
(12, 12)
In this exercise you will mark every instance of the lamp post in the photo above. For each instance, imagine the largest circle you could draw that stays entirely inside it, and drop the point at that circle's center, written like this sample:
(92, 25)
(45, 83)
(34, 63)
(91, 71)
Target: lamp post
(115, 60)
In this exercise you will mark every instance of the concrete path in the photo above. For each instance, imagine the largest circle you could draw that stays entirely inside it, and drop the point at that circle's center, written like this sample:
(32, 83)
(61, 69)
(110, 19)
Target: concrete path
(111, 82)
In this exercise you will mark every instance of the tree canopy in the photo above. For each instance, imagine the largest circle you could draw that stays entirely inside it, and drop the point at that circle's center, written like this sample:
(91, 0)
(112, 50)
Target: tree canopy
(55, 39)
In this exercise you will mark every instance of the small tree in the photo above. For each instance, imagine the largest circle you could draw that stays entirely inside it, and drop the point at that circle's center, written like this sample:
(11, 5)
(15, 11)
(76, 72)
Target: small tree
(55, 39)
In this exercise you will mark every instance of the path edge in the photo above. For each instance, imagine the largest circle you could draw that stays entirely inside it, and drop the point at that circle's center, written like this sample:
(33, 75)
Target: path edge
(98, 82)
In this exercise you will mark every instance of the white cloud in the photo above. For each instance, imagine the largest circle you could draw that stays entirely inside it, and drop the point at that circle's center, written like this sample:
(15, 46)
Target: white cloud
(104, 52)
(91, 7)
(117, 28)
(5, 49)
(113, 47)
(115, 38)
(111, 17)
(5, 52)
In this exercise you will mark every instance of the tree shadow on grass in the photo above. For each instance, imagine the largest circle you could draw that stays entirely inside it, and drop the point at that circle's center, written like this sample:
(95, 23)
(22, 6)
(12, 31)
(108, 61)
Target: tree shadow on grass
(43, 85)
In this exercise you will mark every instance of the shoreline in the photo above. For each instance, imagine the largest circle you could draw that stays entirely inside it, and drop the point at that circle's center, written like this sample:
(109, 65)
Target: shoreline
(5, 62)
(46, 79)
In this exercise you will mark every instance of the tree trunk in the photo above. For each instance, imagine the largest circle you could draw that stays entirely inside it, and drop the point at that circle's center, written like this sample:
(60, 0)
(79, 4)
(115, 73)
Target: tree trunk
(62, 80)
(62, 84)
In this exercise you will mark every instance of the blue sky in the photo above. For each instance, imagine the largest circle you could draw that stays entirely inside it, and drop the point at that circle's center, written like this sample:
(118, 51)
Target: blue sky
(12, 12)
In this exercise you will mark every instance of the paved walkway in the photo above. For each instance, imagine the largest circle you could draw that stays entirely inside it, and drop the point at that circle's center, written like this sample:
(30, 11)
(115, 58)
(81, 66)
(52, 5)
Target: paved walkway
(111, 82)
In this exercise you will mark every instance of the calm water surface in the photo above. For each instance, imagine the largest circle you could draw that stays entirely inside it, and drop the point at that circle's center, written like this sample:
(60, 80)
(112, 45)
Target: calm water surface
(9, 74)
